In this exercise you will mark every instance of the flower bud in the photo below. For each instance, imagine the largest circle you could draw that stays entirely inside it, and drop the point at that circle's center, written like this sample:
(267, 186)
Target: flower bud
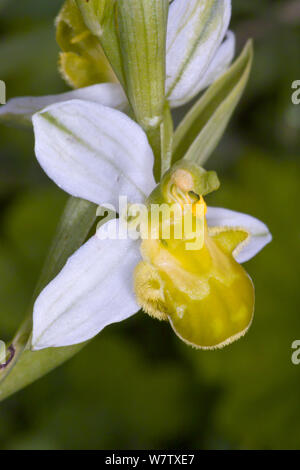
(82, 62)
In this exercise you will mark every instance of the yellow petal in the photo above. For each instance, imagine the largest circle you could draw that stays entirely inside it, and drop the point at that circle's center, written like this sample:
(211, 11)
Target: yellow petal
(230, 240)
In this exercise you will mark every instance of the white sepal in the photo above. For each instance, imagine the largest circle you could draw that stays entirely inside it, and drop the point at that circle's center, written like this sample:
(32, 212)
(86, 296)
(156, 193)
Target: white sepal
(93, 290)
(196, 29)
(259, 234)
(94, 152)
(21, 110)
(220, 62)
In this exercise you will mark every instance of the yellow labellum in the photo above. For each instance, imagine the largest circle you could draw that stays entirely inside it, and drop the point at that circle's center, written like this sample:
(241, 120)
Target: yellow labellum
(205, 294)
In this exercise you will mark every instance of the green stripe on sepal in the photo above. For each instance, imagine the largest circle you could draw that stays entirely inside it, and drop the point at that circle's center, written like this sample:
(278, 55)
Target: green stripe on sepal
(203, 127)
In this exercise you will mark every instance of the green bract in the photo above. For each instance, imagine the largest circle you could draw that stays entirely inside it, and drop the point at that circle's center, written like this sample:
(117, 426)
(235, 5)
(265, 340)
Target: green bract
(202, 128)
(142, 26)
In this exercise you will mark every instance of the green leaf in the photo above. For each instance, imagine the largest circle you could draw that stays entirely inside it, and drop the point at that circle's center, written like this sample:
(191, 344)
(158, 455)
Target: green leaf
(27, 366)
(202, 129)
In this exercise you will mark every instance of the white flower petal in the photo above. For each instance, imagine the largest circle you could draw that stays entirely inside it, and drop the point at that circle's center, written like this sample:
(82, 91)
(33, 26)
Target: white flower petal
(196, 29)
(93, 290)
(21, 110)
(220, 62)
(94, 152)
(260, 235)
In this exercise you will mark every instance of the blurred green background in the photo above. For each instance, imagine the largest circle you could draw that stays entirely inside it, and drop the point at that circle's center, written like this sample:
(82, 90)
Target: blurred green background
(136, 385)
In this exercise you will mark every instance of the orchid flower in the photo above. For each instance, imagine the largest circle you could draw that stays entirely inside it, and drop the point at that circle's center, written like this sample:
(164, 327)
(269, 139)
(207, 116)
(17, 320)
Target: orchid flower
(98, 153)
(200, 48)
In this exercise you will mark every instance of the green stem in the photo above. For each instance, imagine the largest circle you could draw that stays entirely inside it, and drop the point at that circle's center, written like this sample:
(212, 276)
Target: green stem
(26, 366)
